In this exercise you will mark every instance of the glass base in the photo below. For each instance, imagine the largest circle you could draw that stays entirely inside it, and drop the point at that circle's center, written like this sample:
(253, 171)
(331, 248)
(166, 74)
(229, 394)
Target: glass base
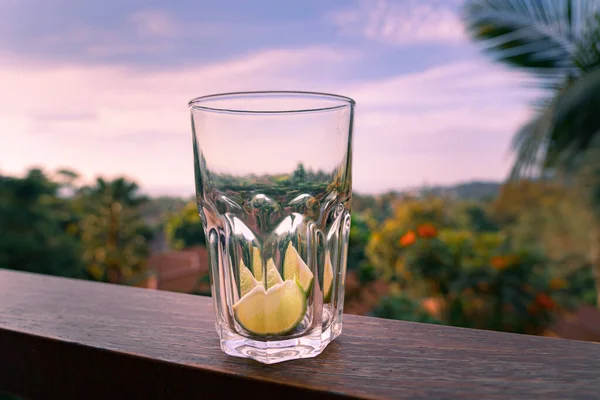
(275, 351)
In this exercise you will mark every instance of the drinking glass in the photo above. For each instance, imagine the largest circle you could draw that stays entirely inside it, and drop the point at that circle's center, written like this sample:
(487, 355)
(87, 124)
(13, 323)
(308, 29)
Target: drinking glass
(273, 174)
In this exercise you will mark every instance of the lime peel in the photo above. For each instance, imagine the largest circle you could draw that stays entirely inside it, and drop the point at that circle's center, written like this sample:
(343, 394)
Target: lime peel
(247, 280)
(275, 311)
(327, 278)
(257, 263)
(273, 277)
(294, 267)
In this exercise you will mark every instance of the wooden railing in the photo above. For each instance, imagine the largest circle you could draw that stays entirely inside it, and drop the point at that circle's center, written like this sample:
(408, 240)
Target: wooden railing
(68, 339)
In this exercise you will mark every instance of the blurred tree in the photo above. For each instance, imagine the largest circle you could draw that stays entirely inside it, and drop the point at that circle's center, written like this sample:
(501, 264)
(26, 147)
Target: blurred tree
(403, 307)
(37, 227)
(158, 209)
(362, 203)
(475, 216)
(67, 179)
(299, 174)
(113, 233)
(185, 229)
(400, 231)
(380, 208)
(518, 197)
(468, 276)
(549, 217)
(359, 237)
(556, 41)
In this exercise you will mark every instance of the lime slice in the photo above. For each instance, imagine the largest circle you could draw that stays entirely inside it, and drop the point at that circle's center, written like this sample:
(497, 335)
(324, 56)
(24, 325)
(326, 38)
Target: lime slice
(247, 281)
(273, 277)
(295, 267)
(257, 263)
(271, 312)
(327, 278)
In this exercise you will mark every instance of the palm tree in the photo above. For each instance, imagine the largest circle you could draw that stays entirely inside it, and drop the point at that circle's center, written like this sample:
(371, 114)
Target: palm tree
(558, 43)
(113, 232)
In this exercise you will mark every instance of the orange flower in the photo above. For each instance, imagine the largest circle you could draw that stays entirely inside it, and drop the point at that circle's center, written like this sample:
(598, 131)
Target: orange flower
(407, 239)
(427, 231)
(499, 262)
(558, 283)
(433, 306)
(545, 301)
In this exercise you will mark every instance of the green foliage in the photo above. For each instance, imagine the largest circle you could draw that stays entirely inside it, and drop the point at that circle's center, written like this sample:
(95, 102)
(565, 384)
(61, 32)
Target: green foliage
(366, 273)
(359, 237)
(581, 286)
(382, 249)
(377, 209)
(510, 264)
(158, 209)
(277, 186)
(57, 228)
(474, 191)
(576, 110)
(546, 216)
(557, 41)
(561, 232)
(540, 37)
(299, 174)
(474, 216)
(362, 203)
(403, 307)
(185, 229)
(482, 276)
(112, 231)
(36, 227)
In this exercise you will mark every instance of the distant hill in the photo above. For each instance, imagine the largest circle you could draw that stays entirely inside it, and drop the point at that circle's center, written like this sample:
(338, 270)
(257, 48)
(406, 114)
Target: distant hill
(476, 190)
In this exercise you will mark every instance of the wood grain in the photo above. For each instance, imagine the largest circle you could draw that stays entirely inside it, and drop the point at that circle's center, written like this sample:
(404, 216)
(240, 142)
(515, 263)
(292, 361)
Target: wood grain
(61, 338)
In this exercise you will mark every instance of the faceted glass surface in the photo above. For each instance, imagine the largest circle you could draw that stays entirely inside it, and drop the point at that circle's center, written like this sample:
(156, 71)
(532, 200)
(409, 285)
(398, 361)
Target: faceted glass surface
(273, 184)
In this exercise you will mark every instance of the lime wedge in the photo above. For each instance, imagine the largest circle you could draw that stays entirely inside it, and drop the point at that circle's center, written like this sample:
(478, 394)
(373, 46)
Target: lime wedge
(273, 277)
(295, 267)
(271, 312)
(257, 263)
(247, 281)
(327, 278)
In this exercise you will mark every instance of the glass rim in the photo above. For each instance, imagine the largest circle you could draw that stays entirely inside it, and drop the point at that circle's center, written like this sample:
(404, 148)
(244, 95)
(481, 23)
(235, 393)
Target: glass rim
(344, 101)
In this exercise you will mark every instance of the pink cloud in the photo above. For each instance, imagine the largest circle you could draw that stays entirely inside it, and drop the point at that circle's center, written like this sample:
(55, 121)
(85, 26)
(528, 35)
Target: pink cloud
(115, 119)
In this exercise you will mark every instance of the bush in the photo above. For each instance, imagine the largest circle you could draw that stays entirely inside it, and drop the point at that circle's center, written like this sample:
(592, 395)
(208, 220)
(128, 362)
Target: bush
(185, 229)
(482, 277)
(367, 273)
(404, 308)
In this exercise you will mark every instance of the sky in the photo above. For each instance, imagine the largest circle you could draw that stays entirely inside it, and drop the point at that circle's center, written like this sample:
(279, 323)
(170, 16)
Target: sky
(102, 87)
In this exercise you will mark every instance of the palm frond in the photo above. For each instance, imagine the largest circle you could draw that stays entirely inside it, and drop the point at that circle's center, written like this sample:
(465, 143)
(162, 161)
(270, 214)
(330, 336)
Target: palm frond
(540, 36)
(576, 120)
(557, 41)
(588, 49)
(530, 145)
(565, 129)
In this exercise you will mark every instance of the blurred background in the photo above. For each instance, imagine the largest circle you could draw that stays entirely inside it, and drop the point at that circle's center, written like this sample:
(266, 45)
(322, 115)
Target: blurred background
(476, 173)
